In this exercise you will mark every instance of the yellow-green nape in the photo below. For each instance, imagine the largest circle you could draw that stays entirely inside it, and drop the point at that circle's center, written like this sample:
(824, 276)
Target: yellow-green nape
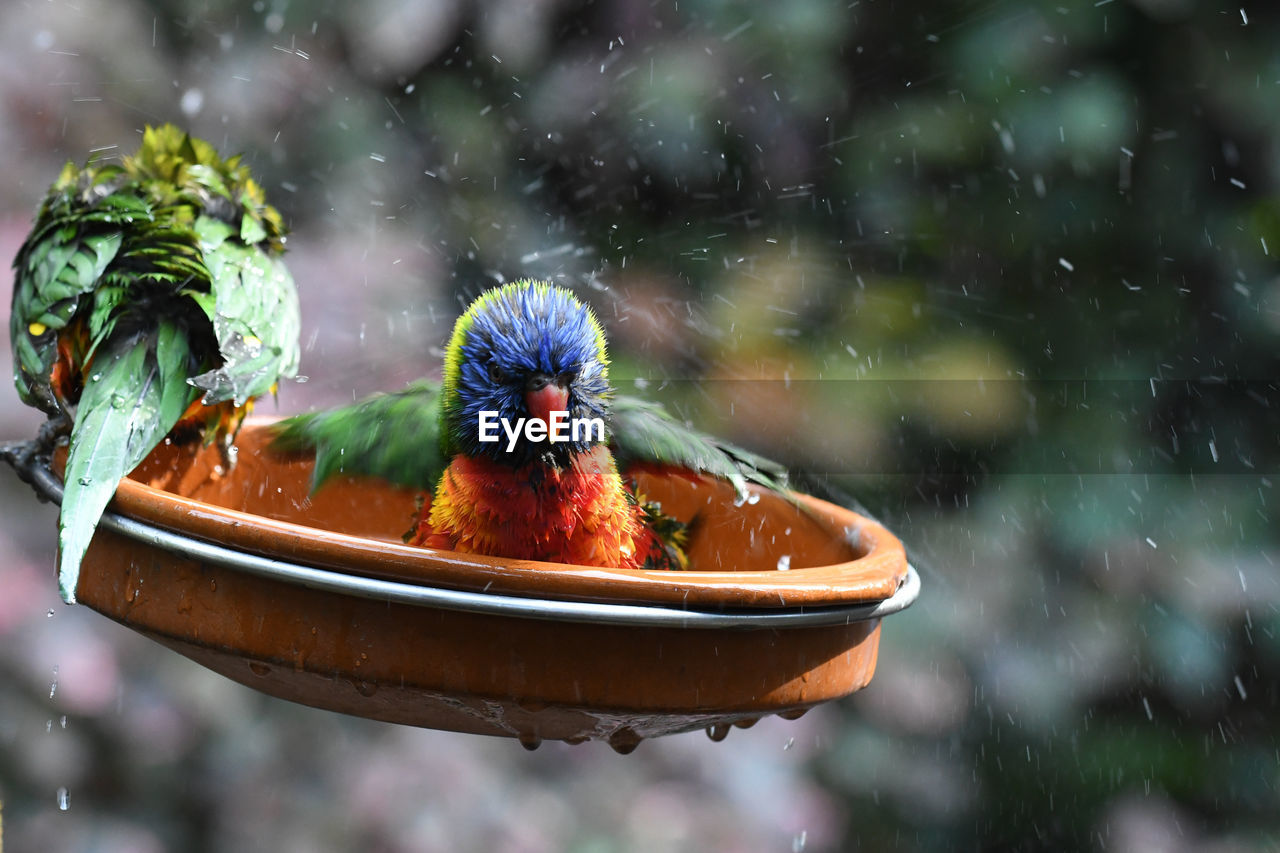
(168, 145)
(168, 152)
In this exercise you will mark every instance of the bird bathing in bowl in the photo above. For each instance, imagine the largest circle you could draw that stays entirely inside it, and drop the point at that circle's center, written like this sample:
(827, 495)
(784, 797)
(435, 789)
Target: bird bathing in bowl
(523, 450)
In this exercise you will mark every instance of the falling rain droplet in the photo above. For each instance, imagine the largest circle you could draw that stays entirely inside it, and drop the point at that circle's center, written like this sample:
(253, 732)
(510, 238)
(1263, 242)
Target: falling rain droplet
(53, 687)
(64, 800)
(798, 842)
(50, 613)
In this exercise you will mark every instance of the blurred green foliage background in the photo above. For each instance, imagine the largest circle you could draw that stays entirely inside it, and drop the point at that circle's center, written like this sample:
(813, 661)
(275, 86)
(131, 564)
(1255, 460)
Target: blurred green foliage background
(1002, 269)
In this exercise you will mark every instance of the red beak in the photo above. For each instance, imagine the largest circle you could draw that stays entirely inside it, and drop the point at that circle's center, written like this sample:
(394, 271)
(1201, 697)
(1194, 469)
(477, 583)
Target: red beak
(545, 400)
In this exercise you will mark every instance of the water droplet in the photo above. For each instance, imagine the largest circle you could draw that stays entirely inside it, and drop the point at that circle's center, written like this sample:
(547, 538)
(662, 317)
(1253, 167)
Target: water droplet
(529, 741)
(117, 401)
(366, 688)
(794, 714)
(50, 613)
(624, 741)
(64, 800)
(63, 721)
(784, 563)
(747, 723)
(718, 732)
(259, 669)
(213, 585)
(798, 842)
(53, 688)
(86, 481)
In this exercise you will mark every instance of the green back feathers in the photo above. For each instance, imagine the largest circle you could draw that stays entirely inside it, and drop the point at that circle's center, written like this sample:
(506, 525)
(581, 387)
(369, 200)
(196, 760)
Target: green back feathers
(173, 230)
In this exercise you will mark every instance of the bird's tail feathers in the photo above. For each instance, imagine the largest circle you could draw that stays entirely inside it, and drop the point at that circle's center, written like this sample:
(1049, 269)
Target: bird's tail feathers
(135, 392)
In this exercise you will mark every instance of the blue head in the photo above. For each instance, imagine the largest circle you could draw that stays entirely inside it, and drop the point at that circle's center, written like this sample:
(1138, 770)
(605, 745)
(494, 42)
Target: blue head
(520, 351)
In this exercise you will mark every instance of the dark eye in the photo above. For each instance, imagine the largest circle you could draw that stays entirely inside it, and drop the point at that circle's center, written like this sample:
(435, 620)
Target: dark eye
(496, 373)
(564, 380)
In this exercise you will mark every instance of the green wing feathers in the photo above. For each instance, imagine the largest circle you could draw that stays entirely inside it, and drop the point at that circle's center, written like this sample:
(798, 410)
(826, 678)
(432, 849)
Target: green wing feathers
(255, 316)
(64, 258)
(643, 432)
(394, 436)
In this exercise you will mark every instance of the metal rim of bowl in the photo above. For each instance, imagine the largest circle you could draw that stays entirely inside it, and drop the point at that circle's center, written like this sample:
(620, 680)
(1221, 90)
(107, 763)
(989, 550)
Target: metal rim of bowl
(49, 486)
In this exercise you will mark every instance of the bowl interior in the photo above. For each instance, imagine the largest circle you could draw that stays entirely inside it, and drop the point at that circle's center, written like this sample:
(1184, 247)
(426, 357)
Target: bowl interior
(753, 536)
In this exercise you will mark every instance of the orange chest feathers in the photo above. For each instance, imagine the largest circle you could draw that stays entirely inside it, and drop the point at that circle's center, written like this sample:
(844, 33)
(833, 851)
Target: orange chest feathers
(581, 514)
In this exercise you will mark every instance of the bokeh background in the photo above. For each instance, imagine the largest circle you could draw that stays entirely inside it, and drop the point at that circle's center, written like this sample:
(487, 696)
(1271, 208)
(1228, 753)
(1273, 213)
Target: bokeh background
(1004, 270)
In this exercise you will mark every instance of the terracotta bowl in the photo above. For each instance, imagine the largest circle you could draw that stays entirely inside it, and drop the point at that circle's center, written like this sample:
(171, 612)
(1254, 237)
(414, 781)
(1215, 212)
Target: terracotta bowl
(314, 598)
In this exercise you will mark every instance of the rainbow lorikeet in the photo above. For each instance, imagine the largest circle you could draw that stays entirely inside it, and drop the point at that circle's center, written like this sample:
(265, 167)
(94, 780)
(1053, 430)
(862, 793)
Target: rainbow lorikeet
(525, 361)
(150, 300)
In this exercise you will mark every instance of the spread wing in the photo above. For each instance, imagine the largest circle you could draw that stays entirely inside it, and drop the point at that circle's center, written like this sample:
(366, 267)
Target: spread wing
(395, 436)
(643, 432)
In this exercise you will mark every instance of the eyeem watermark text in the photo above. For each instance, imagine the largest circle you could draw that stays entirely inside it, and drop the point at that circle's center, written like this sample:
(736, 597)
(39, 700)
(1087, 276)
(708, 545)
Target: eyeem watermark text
(562, 428)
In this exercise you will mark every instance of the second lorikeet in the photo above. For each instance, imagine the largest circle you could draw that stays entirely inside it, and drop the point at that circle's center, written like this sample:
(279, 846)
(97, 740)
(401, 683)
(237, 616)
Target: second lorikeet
(150, 300)
(529, 355)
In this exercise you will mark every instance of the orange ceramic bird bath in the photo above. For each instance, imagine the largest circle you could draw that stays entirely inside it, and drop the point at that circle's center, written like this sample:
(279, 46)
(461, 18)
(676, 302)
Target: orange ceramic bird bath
(314, 598)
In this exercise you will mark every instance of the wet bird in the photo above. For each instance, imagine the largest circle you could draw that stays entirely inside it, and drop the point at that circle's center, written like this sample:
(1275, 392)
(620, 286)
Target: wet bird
(150, 300)
(531, 357)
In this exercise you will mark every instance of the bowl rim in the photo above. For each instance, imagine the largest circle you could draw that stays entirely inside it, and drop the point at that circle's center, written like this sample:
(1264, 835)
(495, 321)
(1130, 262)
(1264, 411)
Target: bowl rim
(877, 575)
(422, 595)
